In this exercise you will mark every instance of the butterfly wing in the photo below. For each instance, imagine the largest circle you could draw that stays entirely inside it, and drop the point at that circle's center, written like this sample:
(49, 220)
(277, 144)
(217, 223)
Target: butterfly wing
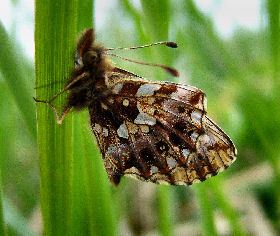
(158, 132)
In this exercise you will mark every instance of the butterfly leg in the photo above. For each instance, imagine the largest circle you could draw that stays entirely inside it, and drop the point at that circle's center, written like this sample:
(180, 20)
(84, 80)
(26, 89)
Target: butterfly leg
(82, 76)
(64, 114)
(67, 109)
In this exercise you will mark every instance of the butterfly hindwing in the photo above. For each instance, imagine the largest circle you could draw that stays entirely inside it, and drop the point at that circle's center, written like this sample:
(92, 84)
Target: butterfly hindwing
(158, 132)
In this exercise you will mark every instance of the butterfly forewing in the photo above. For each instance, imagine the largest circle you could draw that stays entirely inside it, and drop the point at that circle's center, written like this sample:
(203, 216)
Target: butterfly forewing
(158, 132)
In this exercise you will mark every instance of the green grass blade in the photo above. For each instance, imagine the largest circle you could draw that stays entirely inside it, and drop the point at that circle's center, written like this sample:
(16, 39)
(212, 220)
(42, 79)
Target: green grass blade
(273, 7)
(157, 18)
(55, 36)
(94, 212)
(99, 197)
(12, 71)
(227, 209)
(207, 48)
(3, 230)
(136, 16)
(206, 210)
(82, 220)
(164, 210)
(85, 14)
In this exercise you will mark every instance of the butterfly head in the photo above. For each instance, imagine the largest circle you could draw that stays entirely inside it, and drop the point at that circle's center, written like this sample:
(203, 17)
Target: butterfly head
(90, 55)
(93, 57)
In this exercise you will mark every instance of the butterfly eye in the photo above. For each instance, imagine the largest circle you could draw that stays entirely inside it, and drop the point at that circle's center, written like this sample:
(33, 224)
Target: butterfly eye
(90, 58)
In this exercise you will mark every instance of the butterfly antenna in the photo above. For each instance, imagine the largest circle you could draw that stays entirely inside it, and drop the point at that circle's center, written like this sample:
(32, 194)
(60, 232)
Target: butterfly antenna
(166, 43)
(166, 68)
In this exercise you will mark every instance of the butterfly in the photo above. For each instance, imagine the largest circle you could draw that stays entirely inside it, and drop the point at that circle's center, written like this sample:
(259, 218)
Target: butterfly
(153, 131)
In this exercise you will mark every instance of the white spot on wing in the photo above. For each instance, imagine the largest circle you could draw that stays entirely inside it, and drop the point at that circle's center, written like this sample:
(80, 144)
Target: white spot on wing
(172, 163)
(147, 89)
(196, 116)
(154, 170)
(221, 168)
(144, 119)
(185, 152)
(105, 132)
(135, 171)
(194, 136)
(122, 131)
(111, 149)
(117, 88)
(200, 104)
(208, 176)
(97, 128)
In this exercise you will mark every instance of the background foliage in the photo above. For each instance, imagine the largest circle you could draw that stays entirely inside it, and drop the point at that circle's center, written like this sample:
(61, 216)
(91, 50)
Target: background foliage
(240, 75)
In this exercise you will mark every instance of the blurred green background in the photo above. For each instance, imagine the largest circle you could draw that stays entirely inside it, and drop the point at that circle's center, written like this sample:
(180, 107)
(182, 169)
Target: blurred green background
(239, 72)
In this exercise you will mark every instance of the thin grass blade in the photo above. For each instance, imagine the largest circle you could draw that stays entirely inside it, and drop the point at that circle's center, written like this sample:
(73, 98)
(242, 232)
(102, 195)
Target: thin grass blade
(55, 36)
(13, 73)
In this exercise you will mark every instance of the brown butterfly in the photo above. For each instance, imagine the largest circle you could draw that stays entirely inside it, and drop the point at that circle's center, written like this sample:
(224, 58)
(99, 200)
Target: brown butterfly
(153, 131)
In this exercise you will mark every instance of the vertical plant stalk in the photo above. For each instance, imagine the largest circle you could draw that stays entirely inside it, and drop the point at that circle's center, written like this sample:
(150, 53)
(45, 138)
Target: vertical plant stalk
(2, 221)
(136, 16)
(164, 200)
(274, 26)
(55, 36)
(82, 216)
(99, 200)
(12, 71)
(206, 210)
(273, 7)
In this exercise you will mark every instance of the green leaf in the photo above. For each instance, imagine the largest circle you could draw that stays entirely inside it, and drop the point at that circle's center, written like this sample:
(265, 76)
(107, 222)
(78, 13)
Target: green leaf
(3, 230)
(13, 72)
(164, 210)
(100, 207)
(206, 209)
(157, 18)
(85, 15)
(55, 36)
(273, 7)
